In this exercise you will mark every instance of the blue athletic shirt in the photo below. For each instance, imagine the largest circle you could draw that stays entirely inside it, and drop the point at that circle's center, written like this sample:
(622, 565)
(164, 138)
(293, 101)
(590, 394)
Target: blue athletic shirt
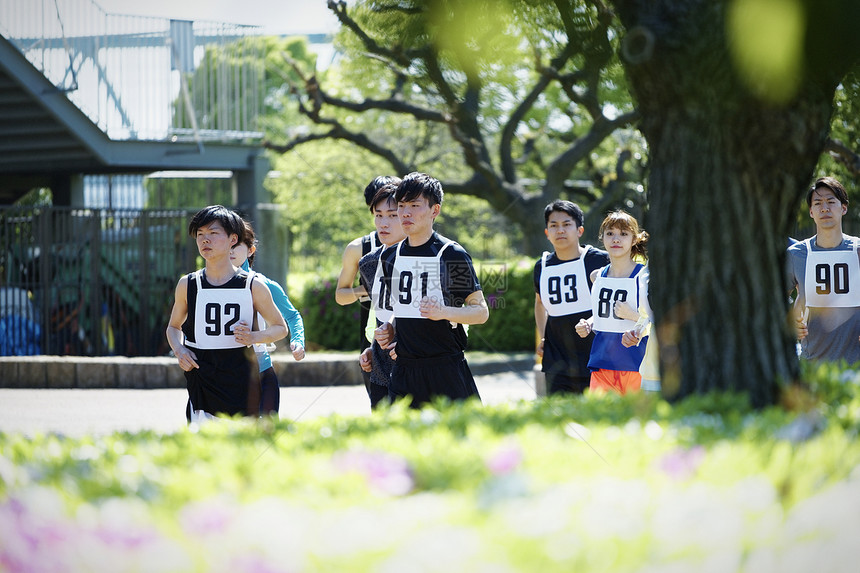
(833, 332)
(288, 311)
(607, 352)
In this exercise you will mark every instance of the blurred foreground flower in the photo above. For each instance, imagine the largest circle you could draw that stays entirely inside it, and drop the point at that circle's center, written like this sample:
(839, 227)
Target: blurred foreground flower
(505, 459)
(38, 534)
(681, 464)
(385, 473)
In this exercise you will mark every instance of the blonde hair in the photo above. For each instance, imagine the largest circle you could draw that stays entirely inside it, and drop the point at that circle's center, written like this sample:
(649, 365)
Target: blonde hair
(626, 222)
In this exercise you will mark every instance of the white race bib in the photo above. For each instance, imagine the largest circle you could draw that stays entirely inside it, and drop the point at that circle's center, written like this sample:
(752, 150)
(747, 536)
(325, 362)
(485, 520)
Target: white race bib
(412, 279)
(832, 277)
(217, 311)
(605, 292)
(564, 287)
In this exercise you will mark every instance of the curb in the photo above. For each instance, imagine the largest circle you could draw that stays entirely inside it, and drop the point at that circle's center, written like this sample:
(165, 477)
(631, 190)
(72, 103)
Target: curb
(317, 369)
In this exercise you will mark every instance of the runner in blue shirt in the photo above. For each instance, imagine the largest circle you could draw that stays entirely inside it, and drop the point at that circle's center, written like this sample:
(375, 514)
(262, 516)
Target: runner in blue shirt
(242, 255)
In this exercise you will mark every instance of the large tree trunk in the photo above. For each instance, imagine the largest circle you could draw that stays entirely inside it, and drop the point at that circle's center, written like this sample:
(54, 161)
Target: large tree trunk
(722, 203)
(727, 172)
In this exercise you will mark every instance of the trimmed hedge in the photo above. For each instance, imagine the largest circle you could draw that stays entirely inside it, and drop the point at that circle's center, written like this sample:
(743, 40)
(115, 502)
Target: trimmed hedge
(328, 324)
(508, 288)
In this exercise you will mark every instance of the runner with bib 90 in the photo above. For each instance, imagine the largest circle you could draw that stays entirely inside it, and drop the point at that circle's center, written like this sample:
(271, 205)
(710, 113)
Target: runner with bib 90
(826, 271)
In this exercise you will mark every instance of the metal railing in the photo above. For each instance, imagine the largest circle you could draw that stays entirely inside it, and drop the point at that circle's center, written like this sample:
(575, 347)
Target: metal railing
(90, 282)
(143, 78)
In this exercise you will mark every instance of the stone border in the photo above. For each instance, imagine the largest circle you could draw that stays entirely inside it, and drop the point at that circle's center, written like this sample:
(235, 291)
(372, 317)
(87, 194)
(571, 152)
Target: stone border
(317, 369)
(89, 373)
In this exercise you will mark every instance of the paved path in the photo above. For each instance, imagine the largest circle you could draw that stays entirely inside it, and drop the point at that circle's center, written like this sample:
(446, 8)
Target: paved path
(80, 412)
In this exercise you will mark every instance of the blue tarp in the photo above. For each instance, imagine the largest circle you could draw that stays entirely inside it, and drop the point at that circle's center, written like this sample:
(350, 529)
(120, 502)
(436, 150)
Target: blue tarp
(19, 336)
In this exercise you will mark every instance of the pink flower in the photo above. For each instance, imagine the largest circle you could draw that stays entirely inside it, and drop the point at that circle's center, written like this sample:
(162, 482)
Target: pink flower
(681, 464)
(253, 563)
(386, 473)
(205, 518)
(130, 538)
(505, 459)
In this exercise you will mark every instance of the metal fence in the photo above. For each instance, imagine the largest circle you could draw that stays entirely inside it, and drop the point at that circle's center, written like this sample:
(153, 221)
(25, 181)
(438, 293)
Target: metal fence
(143, 78)
(90, 282)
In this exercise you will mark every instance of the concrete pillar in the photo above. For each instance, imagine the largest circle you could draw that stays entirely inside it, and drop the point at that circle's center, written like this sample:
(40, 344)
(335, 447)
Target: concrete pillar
(254, 201)
(68, 190)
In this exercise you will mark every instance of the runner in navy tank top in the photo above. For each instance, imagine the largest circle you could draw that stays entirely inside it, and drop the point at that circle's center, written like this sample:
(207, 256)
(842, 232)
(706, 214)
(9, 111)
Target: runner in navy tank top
(616, 296)
(375, 360)
(346, 292)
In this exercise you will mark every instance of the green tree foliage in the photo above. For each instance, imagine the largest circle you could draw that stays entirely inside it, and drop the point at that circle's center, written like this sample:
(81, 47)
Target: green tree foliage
(36, 197)
(236, 68)
(325, 203)
(841, 157)
(322, 185)
(181, 193)
(514, 103)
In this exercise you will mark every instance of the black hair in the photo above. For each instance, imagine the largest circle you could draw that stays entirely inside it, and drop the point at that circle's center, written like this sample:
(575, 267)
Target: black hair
(831, 183)
(377, 184)
(231, 222)
(563, 206)
(417, 185)
(385, 193)
(251, 241)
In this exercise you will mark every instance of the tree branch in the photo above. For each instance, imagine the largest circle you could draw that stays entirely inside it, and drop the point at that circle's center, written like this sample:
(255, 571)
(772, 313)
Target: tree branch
(337, 131)
(471, 187)
(398, 7)
(319, 96)
(588, 97)
(434, 72)
(505, 145)
(293, 143)
(503, 197)
(567, 81)
(843, 154)
(562, 165)
(470, 139)
(311, 88)
(510, 129)
(596, 51)
(394, 104)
